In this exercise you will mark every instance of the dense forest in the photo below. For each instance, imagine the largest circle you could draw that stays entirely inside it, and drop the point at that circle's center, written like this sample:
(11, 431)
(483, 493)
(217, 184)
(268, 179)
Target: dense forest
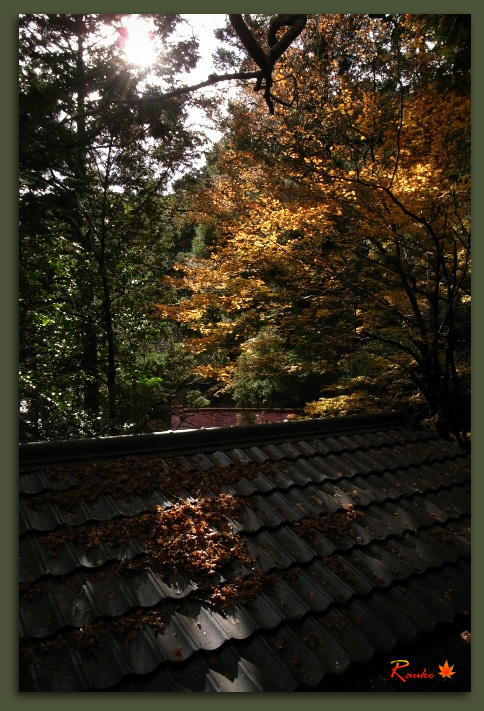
(319, 259)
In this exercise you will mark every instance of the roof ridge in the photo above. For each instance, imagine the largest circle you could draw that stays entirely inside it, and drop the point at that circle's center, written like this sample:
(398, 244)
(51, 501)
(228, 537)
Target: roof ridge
(45, 454)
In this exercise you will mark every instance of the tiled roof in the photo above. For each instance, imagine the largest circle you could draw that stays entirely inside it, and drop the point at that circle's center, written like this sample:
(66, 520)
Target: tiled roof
(259, 558)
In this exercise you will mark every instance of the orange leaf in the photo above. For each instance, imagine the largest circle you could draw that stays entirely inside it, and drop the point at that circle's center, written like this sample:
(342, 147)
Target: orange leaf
(446, 671)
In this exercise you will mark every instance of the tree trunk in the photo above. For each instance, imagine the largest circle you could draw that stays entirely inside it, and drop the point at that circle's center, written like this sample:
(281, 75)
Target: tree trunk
(89, 361)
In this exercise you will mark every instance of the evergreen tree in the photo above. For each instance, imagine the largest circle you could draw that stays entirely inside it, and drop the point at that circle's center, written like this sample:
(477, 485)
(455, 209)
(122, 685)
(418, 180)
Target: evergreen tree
(95, 223)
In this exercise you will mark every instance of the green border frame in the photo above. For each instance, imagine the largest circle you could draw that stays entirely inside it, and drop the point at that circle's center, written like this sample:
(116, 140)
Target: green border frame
(9, 695)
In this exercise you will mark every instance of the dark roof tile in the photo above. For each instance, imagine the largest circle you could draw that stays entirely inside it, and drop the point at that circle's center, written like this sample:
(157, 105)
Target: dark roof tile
(318, 446)
(299, 473)
(277, 452)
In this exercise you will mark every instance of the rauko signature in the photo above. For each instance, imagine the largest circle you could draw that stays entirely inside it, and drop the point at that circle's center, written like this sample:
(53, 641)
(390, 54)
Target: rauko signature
(401, 664)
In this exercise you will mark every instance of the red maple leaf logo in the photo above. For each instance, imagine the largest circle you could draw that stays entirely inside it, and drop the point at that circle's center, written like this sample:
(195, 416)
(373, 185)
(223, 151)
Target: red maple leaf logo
(446, 671)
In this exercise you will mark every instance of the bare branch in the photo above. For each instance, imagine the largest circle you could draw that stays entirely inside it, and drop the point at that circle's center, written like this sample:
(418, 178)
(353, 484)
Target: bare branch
(253, 48)
(212, 79)
(296, 24)
(266, 60)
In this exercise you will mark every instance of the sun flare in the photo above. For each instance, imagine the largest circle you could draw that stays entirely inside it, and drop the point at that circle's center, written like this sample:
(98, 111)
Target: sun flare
(138, 42)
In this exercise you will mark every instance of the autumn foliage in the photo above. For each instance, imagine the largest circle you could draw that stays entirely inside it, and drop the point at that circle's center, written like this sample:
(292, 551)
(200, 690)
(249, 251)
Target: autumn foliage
(336, 268)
